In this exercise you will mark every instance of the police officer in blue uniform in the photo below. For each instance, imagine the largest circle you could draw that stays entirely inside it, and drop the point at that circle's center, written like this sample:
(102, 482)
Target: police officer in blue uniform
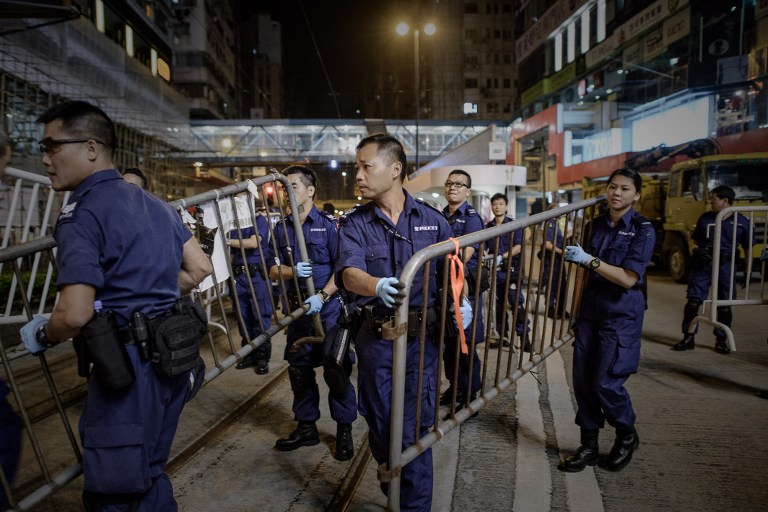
(321, 238)
(522, 326)
(700, 278)
(463, 220)
(140, 262)
(254, 294)
(610, 322)
(552, 273)
(376, 241)
(10, 424)
(10, 442)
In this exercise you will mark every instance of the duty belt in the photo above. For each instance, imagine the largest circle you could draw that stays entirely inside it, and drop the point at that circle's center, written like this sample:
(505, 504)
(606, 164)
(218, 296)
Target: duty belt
(375, 318)
(240, 269)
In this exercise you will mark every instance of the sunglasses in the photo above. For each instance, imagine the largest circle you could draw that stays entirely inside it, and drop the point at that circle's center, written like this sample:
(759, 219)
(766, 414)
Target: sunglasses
(48, 145)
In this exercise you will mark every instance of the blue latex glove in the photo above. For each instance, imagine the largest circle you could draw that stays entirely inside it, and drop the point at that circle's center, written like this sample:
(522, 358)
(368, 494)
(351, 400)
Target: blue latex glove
(390, 290)
(304, 269)
(28, 334)
(764, 254)
(499, 259)
(315, 304)
(466, 313)
(575, 254)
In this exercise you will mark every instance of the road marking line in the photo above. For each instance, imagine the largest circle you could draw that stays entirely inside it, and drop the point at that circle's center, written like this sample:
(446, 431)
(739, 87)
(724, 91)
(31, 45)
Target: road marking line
(583, 490)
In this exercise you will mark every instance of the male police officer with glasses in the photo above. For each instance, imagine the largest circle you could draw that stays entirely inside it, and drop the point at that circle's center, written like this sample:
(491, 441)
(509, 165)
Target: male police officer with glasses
(140, 265)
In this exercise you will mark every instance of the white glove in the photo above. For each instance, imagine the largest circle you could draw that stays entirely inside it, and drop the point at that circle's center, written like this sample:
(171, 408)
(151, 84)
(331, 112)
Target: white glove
(304, 269)
(390, 290)
(466, 313)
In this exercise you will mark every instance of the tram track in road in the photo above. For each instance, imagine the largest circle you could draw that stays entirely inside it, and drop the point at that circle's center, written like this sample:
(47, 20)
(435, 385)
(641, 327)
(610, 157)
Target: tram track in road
(231, 463)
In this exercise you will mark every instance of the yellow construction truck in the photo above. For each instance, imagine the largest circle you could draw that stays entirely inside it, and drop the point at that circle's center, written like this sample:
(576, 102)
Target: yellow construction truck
(673, 200)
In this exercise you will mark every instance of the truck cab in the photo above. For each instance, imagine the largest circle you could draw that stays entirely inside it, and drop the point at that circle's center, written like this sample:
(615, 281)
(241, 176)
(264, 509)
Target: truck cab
(690, 183)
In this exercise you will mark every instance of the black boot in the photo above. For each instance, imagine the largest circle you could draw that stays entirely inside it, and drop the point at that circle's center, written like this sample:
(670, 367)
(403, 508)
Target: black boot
(306, 434)
(686, 344)
(345, 447)
(625, 445)
(246, 362)
(721, 345)
(586, 455)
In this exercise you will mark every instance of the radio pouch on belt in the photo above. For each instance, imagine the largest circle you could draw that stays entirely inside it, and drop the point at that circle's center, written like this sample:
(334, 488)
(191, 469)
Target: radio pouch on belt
(100, 346)
(176, 339)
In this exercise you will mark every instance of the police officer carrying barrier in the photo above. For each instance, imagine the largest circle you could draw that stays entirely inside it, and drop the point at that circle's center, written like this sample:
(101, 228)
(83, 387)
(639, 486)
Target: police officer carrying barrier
(10, 424)
(610, 322)
(376, 241)
(463, 220)
(254, 294)
(522, 325)
(119, 282)
(552, 275)
(321, 237)
(700, 278)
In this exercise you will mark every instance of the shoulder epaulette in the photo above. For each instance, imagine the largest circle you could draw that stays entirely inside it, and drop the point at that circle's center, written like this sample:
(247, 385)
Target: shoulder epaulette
(354, 211)
(424, 203)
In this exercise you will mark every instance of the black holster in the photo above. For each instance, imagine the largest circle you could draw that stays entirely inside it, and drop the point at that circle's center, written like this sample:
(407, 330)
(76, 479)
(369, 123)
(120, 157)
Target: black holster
(98, 345)
(336, 365)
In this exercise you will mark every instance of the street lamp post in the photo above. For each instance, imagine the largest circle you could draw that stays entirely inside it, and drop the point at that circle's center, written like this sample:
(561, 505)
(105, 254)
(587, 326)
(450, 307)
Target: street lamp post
(429, 29)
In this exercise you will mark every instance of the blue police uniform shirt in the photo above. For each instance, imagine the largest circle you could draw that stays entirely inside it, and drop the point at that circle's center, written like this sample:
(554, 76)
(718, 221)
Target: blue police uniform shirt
(465, 220)
(322, 241)
(629, 245)
(251, 255)
(365, 243)
(504, 246)
(704, 233)
(554, 233)
(123, 241)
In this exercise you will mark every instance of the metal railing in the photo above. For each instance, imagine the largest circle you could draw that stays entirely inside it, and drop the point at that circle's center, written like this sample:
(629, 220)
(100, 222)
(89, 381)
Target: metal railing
(45, 395)
(758, 239)
(500, 369)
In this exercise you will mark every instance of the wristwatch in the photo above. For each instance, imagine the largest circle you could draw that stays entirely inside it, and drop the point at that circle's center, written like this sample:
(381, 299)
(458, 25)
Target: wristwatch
(41, 338)
(323, 295)
(592, 265)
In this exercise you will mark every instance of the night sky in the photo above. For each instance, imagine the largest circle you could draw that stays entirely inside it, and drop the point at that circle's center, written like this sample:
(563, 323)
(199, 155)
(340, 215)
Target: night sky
(350, 36)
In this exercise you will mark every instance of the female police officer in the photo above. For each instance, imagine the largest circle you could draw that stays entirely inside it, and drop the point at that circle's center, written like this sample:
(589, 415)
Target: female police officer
(607, 347)
(138, 265)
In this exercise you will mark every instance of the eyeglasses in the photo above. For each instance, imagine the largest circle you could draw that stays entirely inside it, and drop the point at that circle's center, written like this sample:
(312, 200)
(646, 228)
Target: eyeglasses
(455, 184)
(48, 145)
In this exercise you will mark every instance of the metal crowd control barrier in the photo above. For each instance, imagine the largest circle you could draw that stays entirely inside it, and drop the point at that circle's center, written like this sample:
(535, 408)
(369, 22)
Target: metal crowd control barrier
(499, 369)
(48, 426)
(758, 239)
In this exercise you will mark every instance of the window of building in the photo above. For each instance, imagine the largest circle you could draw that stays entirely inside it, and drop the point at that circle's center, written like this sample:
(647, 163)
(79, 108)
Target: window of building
(600, 20)
(470, 83)
(488, 83)
(470, 34)
(497, 34)
(571, 41)
(558, 51)
(129, 41)
(506, 8)
(507, 58)
(507, 83)
(487, 8)
(470, 8)
(495, 58)
(495, 83)
(585, 31)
